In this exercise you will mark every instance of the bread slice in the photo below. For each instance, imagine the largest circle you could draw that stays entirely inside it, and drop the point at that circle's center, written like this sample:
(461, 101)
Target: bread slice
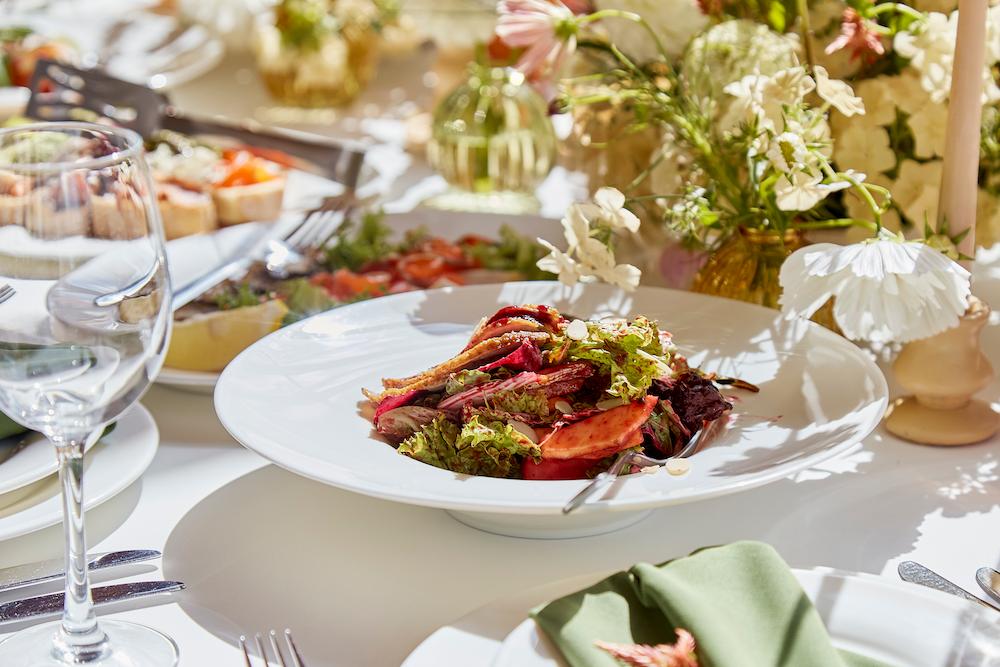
(185, 212)
(249, 203)
(118, 216)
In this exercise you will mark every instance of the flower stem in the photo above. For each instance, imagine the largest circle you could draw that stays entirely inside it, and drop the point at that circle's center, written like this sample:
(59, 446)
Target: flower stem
(630, 16)
(807, 33)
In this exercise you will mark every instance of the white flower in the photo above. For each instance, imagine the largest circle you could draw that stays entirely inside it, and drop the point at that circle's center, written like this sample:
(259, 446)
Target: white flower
(840, 95)
(801, 191)
(764, 98)
(576, 227)
(559, 263)
(598, 261)
(885, 289)
(929, 127)
(916, 190)
(866, 149)
(788, 152)
(611, 208)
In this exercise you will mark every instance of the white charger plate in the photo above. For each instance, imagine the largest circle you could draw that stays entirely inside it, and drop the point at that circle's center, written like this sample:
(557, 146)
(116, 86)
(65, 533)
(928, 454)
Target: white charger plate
(111, 466)
(190, 256)
(30, 463)
(295, 398)
(900, 624)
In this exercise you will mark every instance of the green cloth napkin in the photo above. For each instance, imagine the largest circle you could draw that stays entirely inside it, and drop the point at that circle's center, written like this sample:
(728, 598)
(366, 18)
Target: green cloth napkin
(9, 427)
(741, 603)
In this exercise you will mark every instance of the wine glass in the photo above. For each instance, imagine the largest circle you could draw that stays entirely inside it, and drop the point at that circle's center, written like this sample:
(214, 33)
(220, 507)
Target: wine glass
(81, 244)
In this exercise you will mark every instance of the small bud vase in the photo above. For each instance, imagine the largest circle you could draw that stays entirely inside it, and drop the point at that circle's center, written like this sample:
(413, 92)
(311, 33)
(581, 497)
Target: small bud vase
(943, 373)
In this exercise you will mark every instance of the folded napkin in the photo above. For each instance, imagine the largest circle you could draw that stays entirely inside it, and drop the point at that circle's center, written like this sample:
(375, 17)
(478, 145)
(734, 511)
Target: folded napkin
(9, 427)
(741, 603)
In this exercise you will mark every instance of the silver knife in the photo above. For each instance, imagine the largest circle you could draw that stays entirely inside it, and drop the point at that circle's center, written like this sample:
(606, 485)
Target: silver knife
(22, 576)
(47, 605)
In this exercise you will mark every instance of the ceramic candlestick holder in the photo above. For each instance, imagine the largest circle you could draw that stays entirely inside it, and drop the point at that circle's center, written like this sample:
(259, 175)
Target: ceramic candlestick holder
(943, 373)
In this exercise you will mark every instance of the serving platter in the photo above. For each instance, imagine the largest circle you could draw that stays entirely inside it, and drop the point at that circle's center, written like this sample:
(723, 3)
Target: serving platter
(863, 614)
(188, 257)
(295, 398)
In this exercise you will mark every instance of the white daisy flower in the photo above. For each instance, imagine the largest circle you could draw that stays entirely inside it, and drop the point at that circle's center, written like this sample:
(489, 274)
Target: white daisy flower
(801, 191)
(788, 152)
(886, 289)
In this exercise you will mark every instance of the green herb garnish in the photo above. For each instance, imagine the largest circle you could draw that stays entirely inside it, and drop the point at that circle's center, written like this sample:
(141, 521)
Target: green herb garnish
(236, 296)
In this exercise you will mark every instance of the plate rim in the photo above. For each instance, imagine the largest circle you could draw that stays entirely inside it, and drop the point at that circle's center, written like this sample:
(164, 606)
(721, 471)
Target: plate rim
(305, 465)
(553, 589)
(149, 435)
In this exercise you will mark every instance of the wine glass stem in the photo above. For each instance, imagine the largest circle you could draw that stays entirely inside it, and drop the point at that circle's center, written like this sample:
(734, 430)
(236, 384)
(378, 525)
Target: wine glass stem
(80, 640)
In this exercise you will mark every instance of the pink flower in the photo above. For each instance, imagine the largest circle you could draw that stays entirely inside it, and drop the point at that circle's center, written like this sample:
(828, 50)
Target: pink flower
(857, 33)
(545, 29)
(680, 654)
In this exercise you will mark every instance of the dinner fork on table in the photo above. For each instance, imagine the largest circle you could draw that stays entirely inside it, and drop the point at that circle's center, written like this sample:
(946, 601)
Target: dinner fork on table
(294, 657)
(6, 292)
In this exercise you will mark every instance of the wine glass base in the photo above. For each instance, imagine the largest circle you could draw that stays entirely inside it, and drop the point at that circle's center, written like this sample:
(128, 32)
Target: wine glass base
(132, 645)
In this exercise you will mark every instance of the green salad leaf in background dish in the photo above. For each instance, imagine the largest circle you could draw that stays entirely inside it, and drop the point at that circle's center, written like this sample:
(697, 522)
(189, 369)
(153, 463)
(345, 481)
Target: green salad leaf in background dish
(513, 252)
(357, 243)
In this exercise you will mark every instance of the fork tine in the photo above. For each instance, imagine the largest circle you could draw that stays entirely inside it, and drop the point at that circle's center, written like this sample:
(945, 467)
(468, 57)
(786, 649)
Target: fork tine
(243, 647)
(260, 648)
(293, 650)
(273, 638)
(6, 292)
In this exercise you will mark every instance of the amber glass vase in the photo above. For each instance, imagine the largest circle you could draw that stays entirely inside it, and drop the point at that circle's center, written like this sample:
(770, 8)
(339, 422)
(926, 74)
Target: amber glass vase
(746, 268)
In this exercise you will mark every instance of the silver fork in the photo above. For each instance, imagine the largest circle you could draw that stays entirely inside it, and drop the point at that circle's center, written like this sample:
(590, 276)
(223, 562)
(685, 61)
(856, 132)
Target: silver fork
(630, 458)
(6, 292)
(295, 659)
(316, 228)
(280, 255)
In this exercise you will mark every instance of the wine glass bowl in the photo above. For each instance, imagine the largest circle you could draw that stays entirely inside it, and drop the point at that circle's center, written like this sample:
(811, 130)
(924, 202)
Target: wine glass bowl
(80, 340)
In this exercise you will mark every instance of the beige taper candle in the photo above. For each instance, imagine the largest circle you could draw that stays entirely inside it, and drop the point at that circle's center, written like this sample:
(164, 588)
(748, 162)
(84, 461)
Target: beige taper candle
(960, 177)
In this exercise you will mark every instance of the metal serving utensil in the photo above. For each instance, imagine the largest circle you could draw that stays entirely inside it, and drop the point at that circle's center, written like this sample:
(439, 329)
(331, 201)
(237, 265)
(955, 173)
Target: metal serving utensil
(989, 580)
(915, 573)
(627, 459)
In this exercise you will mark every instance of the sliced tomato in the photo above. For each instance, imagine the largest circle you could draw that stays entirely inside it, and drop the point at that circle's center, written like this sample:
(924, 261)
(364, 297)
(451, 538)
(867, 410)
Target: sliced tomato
(422, 269)
(269, 154)
(443, 249)
(557, 468)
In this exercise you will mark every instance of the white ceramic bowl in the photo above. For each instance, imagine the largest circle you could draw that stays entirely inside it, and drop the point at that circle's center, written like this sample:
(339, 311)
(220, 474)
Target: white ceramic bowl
(295, 398)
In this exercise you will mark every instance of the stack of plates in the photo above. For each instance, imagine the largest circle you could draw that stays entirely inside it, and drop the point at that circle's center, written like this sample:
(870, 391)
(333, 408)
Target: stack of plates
(29, 487)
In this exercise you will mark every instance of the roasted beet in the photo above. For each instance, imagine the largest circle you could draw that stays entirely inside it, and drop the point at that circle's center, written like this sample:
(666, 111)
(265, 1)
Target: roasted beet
(694, 398)
(525, 358)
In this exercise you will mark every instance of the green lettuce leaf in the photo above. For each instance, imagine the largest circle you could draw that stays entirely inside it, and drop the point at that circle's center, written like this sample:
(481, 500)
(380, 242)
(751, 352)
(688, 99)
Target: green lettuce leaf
(463, 380)
(512, 252)
(526, 402)
(479, 447)
(303, 299)
(433, 444)
(630, 353)
(358, 243)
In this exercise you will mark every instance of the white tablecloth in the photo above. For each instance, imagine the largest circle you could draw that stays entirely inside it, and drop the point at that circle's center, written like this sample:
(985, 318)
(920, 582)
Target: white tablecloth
(362, 581)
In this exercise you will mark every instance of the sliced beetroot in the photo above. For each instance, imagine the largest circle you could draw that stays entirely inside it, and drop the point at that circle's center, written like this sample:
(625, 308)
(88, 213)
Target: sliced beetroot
(393, 402)
(694, 398)
(547, 316)
(525, 358)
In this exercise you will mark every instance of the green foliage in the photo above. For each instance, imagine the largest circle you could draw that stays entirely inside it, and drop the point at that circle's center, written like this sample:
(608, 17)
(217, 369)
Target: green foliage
(232, 296)
(513, 252)
(523, 402)
(359, 242)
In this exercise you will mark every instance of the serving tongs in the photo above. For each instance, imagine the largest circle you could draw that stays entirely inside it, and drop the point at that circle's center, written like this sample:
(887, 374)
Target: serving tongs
(60, 92)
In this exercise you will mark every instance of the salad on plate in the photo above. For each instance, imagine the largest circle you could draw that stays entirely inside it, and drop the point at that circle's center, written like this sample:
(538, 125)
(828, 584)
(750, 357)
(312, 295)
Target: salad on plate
(362, 261)
(540, 395)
